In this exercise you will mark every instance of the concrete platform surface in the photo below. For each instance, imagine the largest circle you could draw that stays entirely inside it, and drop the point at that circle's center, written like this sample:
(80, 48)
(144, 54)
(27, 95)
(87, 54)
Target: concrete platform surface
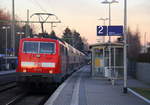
(81, 89)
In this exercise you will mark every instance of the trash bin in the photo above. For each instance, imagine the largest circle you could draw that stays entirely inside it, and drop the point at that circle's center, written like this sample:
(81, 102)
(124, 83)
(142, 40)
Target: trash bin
(107, 72)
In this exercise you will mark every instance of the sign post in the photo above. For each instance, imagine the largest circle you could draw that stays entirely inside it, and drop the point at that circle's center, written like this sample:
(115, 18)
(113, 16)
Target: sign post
(125, 90)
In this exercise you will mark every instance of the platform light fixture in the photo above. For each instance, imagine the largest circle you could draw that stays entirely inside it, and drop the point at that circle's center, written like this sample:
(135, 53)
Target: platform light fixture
(6, 29)
(109, 3)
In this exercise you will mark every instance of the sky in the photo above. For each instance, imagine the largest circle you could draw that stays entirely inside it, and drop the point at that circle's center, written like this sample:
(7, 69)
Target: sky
(83, 15)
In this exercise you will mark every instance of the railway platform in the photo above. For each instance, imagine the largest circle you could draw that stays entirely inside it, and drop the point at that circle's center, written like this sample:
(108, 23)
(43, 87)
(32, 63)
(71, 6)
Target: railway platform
(7, 76)
(82, 89)
(4, 72)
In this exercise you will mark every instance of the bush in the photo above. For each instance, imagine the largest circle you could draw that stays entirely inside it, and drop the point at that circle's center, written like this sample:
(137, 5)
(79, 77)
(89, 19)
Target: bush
(144, 58)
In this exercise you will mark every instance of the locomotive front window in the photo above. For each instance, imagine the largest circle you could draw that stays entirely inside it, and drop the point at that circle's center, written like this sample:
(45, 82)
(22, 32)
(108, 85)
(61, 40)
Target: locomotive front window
(39, 47)
(30, 47)
(47, 48)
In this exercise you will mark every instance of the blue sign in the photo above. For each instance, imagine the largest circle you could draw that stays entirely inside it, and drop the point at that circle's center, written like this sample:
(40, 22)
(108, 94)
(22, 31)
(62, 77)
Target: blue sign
(101, 30)
(10, 49)
(115, 30)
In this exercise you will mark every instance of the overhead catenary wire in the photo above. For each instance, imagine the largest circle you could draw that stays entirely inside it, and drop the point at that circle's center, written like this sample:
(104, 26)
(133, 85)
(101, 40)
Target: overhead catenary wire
(35, 2)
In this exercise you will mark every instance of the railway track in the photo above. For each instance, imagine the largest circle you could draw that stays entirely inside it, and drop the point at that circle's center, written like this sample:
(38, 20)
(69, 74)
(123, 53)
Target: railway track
(11, 94)
(7, 86)
(29, 99)
(15, 99)
(3, 84)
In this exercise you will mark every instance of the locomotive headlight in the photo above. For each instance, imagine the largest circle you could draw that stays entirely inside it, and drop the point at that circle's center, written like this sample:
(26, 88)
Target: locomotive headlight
(50, 71)
(24, 70)
(50, 64)
(27, 64)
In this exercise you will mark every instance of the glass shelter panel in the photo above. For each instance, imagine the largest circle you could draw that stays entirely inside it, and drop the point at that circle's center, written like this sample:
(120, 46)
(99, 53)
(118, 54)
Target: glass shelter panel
(107, 61)
(98, 62)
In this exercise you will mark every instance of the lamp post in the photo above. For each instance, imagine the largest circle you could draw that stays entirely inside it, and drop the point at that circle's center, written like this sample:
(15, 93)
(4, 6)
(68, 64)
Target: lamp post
(109, 3)
(6, 29)
(104, 20)
(125, 47)
(20, 34)
(13, 27)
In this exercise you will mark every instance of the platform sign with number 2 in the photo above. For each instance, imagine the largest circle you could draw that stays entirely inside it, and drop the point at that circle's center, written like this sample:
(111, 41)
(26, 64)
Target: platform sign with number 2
(101, 30)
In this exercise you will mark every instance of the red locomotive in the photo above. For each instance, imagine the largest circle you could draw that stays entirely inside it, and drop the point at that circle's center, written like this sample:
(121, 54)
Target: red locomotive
(46, 60)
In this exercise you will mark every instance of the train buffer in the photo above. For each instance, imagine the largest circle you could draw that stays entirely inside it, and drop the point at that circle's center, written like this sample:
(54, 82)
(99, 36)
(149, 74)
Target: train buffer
(82, 89)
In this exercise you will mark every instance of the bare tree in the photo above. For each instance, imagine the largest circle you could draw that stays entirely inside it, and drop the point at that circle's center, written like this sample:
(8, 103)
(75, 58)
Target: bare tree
(4, 16)
(134, 45)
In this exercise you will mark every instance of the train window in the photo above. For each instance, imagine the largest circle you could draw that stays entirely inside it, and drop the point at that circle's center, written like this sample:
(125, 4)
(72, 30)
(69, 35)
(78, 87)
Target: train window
(39, 47)
(30, 47)
(47, 48)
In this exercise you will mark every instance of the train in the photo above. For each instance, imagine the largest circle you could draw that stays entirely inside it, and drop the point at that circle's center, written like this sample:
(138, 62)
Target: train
(45, 60)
